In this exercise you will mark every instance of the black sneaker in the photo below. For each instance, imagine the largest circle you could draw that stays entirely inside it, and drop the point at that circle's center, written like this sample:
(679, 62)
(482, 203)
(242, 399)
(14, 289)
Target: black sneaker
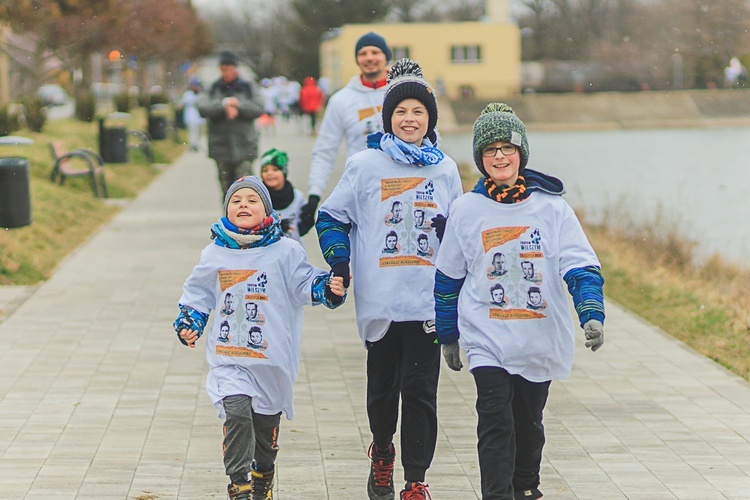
(380, 482)
(238, 491)
(531, 494)
(262, 484)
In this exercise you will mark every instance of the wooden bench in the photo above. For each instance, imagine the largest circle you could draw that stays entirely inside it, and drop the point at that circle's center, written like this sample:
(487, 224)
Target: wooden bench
(78, 163)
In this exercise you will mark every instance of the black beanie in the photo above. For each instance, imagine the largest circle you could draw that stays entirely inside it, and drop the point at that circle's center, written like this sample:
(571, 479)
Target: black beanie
(374, 40)
(405, 81)
(227, 58)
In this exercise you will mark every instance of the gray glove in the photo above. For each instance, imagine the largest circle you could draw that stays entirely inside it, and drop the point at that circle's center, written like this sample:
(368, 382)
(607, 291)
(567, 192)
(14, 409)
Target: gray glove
(452, 355)
(594, 331)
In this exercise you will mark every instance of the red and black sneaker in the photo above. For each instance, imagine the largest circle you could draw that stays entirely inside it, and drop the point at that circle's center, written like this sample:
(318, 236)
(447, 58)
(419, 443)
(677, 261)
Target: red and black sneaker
(380, 482)
(416, 491)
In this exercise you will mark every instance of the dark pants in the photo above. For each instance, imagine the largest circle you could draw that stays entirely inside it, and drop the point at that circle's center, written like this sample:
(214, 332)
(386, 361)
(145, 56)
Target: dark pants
(510, 431)
(248, 437)
(230, 171)
(405, 363)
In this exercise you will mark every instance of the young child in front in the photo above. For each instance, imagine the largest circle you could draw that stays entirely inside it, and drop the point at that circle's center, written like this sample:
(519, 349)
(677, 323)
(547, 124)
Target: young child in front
(285, 198)
(519, 340)
(370, 218)
(253, 345)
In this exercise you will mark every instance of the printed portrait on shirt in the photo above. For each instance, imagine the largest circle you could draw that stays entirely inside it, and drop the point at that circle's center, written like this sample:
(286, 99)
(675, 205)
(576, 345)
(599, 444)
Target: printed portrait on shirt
(397, 214)
(497, 295)
(530, 273)
(252, 313)
(391, 243)
(419, 218)
(534, 299)
(423, 246)
(499, 266)
(255, 339)
(224, 332)
(228, 308)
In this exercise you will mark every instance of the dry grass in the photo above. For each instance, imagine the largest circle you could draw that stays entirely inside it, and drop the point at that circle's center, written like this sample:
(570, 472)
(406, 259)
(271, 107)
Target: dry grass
(63, 217)
(652, 270)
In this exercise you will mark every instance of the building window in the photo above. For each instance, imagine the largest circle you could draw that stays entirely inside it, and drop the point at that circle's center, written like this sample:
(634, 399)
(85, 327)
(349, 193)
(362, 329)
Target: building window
(400, 53)
(461, 54)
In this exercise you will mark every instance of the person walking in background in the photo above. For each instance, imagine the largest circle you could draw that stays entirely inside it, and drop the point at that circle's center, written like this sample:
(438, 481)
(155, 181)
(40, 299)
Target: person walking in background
(519, 340)
(285, 198)
(395, 322)
(352, 113)
(231, 107)
(190, 114)
(252, 369)
(311, 101)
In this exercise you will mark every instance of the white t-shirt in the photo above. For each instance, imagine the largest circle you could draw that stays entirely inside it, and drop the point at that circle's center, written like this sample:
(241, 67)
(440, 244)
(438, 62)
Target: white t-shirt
(292, 214)
(393, 245)
(353, 113)
(253, 343)
(513, 310)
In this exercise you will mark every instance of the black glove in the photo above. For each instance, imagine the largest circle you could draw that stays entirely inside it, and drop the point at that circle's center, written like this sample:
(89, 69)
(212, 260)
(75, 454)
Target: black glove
(341, 269)
(285, 225)
(307, 212)
(438, 222)
(303, 228)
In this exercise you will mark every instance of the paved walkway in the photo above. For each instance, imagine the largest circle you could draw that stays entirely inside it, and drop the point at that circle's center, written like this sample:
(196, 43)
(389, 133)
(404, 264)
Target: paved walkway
(99, 400)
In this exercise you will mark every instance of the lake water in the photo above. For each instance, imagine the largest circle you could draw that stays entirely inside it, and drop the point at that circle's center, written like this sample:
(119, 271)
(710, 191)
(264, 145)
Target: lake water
(697, 180)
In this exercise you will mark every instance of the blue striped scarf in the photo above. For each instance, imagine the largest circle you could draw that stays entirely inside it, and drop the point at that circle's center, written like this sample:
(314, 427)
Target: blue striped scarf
(406, 152)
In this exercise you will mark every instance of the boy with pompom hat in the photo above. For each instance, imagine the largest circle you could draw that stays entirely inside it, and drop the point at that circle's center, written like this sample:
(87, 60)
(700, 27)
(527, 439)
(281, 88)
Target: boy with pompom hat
(401, 173)
(515, 346)
(285, 198)
(252, 358)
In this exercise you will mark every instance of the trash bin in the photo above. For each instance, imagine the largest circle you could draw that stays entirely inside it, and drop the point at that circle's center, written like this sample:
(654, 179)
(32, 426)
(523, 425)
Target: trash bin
(113, 138)
(158, 114)
(15, 197)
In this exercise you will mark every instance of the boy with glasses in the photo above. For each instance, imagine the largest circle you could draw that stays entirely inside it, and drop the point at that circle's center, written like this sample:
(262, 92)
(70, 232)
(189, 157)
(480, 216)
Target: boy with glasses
(518, 213)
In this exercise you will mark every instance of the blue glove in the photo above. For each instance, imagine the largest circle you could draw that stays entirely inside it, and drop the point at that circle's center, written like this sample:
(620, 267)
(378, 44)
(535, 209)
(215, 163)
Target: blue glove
(190, 319)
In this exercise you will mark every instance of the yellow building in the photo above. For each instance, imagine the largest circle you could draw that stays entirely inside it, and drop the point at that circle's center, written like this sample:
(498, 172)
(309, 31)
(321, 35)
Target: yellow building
(480, 59)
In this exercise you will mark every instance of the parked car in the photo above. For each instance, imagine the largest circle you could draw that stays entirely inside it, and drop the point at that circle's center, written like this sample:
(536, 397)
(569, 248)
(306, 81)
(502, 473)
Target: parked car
(52, 95)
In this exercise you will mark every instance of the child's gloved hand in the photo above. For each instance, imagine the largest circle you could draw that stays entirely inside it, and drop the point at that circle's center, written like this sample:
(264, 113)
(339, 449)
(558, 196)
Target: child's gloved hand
(438, 222)
(285, 225)
(307, 211)
(594, 331)
(452, 355)
(189, 325)
(342, 269)
(335, 289)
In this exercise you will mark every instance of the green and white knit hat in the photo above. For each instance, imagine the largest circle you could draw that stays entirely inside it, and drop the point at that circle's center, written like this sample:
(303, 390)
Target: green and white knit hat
(276, 158)
(498, 122)
(252, 182)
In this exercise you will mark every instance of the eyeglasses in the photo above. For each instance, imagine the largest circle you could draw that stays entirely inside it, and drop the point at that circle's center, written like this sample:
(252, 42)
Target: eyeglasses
(506, 150)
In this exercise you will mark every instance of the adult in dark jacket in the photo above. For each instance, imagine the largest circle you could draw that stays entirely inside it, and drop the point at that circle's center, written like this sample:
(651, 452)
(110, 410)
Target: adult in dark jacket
(230, 107)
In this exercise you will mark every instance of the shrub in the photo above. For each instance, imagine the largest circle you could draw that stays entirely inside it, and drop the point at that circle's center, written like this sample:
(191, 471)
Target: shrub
(160, 98)
(8, 121)
(143, 100)
(85, 106)
(121, 102)
(34, 111)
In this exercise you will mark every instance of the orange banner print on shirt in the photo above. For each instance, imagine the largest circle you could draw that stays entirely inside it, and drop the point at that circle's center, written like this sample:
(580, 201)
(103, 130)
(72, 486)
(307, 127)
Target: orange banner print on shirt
(230, 278)
(239, 352)
(495, 237)
(405, 260)
(397, 186)
(368, 112)
(515, 314)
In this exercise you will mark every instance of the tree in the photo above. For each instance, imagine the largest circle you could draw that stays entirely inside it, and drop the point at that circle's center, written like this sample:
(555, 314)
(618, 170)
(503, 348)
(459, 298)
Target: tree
(314, 18)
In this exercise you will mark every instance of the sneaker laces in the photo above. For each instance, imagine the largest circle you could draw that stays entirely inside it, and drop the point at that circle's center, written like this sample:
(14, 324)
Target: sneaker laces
(262, 482)
(417, 491)
(382, 466)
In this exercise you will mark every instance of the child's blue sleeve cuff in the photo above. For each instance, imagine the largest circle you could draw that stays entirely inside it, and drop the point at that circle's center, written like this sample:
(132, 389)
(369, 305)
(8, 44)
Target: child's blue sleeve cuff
(190, 319)
(447, 290)
(321, 293)
(585, 285)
